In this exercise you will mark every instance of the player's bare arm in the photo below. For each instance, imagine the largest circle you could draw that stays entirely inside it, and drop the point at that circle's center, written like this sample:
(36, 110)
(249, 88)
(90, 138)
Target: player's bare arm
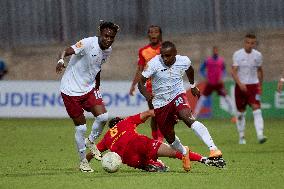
(60, 63)
(136, 79)
(145, 115)
(235, 76)
(190, 75)
(143, 90)
(98, 80)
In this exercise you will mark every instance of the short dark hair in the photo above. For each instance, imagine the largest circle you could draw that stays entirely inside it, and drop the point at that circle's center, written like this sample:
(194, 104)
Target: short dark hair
(250, 35)
(110, 25)
(168, 44)
(114, 121)
(155, 26)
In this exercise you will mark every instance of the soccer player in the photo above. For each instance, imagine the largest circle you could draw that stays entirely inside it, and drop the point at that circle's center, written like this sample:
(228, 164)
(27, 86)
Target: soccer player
(80, 87)
(139, 151)
(213, 69)
(169, 98)
(3, 69)
(248, 75)
(280, 83)
(146, 53)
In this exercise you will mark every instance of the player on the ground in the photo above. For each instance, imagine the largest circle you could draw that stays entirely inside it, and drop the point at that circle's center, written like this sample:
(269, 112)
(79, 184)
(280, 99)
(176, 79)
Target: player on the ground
(80, 87)
(248, 75)
(139, 151)
(213, 69)
(146, 53)
(169, 98)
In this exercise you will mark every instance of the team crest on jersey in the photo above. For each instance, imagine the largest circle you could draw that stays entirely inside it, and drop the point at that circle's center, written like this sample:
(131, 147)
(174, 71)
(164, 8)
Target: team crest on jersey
(79, 44)
(113, 131)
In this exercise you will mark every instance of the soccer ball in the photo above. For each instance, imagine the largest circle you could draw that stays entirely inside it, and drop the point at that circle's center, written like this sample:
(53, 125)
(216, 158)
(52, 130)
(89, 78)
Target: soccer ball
(111, 162)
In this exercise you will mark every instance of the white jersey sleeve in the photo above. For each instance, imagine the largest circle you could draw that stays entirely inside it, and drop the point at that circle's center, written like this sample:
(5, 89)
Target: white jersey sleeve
(81, 46)
(149, 69)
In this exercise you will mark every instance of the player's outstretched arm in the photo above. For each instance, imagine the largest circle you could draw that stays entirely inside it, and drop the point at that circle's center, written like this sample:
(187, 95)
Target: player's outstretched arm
(60, 63)
(190, 75)
(145, 115)
(136, 79)
(143, 90)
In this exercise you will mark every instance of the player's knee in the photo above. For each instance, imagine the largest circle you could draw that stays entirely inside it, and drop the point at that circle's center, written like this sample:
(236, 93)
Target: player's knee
(102, 117)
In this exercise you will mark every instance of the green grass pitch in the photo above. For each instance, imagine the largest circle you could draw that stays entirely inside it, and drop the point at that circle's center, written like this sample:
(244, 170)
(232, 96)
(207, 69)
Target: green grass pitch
(40, 153)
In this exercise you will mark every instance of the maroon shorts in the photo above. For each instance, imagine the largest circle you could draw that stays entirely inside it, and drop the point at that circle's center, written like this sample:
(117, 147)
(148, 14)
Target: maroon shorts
(252, 96)
(75, 105)
(219, 88)
(167, 116)
(140, 150)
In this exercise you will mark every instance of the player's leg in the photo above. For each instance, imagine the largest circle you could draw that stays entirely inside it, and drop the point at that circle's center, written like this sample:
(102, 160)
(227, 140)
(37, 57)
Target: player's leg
(75, 111)
(254, 101)
(96, 106)
(223, 93)
(241, 102)
(200, 103)
(156, 134)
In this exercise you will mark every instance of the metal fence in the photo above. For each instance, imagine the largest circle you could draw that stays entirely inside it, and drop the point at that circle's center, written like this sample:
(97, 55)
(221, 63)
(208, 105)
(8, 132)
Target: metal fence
(48, 21)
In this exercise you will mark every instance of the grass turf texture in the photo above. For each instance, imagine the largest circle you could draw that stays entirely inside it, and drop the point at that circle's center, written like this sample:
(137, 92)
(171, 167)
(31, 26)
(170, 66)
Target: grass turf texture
(37, 153)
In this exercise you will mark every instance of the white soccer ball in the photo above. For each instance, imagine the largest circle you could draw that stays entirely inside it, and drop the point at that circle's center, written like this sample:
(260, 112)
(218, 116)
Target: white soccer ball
(111, 162)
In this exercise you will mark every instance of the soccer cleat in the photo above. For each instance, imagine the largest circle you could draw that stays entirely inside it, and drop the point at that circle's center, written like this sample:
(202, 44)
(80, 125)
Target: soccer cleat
(242, 141)
(186, 161)
(156, 166)
(262, 140)
(85, 166)
(216, 162)
(215, 154)
(93, 148)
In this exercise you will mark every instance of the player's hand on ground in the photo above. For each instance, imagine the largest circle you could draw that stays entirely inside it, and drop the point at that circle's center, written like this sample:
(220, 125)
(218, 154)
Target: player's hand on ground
(132, 90)
(243, 87)
(195, 92)
(60, 66)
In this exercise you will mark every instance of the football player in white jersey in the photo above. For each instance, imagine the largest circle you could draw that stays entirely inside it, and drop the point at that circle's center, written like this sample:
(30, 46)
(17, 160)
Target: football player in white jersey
(248, 75)
(80, 87)
(169, 99)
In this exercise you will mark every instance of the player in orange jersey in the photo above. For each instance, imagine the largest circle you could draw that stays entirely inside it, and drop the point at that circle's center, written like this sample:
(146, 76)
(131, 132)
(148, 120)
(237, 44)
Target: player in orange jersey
(146, 53)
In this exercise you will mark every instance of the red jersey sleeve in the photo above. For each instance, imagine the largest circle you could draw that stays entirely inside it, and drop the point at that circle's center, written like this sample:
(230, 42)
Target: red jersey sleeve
(101, 145)
(141, 59)
(136, 119)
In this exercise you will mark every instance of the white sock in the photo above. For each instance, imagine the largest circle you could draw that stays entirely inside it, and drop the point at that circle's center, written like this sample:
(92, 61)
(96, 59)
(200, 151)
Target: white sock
(201, 131)
(241, 123)
(178, 146)
(230, 105)
(199, 105)
(98, 126)
(80, 140)
(258, 123)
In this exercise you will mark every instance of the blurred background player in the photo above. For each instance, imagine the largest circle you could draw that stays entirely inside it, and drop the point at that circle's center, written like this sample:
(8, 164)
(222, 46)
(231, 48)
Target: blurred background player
(280, 83)
(248, 75)
(146, 53)
(169, 98)
(139, 151)
(213, 69)
(3, 69)
(80, 87)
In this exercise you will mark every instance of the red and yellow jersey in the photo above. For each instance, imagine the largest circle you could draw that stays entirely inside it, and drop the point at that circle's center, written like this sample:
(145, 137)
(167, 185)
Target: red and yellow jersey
(117, 138)
(147, 53)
